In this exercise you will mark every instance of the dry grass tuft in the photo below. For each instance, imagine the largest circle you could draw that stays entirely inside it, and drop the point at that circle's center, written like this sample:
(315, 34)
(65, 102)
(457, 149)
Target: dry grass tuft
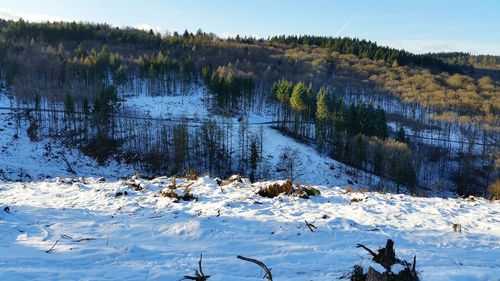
(192, 175)
(287, 188)
(494, 189)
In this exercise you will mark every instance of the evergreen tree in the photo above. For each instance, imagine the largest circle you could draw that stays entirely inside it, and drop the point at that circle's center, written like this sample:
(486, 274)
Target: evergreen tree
(401, 135)
(69, 107)
(282, 90)
(323, 112)
(254, 158)
(299, 99)
(311, 102)
(323, 116)
(353, 126)
(69, 112)
(381, 123)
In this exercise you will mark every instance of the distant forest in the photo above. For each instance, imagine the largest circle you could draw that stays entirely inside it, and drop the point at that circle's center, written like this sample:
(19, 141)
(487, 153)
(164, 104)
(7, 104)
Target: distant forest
(322, 91)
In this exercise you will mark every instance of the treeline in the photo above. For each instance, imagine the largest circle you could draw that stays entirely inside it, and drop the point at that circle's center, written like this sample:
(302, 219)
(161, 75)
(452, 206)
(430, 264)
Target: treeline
(356, 134)
(471, 61)
(367, 49)
(72, 31)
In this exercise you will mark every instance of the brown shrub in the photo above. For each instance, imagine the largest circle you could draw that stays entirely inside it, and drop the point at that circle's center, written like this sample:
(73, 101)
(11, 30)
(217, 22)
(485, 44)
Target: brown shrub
(192, 175)
(494, 189)
(276, 189)
(188, 196)
(287, 188)
(171, 193)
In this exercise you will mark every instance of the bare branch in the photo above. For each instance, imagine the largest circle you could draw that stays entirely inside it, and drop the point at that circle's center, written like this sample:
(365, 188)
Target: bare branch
(367, 249)
(268, 274)
(51, 248)
(311, 226)
(198, 275)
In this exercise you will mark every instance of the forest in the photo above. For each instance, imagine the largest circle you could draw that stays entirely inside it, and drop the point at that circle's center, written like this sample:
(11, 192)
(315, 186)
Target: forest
(425, 122)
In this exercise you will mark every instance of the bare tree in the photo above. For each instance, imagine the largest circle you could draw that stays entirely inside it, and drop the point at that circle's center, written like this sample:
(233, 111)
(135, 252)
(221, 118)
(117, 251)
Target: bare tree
(290, 163)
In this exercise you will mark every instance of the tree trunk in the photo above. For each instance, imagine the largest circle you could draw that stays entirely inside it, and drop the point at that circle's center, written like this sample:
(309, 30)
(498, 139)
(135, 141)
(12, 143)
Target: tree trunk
(374, 275)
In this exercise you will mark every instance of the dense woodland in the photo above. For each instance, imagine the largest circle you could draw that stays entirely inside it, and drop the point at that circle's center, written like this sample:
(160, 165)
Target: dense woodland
(337, 94)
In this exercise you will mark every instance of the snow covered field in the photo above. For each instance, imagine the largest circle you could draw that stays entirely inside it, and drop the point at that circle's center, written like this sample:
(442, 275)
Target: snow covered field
(143, 236)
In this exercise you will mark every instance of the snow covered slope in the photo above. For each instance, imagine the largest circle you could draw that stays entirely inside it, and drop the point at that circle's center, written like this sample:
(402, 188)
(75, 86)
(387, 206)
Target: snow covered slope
(142, 236)
(194, 105)
(23, 159)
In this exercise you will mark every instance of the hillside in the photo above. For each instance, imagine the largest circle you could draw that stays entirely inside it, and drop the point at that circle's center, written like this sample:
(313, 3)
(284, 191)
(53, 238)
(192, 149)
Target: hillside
(424, 123)
(88, 228)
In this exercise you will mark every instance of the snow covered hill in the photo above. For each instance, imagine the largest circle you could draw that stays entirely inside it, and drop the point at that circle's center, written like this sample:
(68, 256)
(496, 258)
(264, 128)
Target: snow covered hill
(26, 159)
(90, 229)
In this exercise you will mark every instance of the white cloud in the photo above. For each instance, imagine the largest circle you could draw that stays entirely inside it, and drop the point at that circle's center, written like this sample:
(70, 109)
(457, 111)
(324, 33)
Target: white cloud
(435, 45)
(32, 17)
(147, 27)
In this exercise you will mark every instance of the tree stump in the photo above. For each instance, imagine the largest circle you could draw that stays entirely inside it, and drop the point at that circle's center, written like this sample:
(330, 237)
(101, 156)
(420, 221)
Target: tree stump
(374, 275)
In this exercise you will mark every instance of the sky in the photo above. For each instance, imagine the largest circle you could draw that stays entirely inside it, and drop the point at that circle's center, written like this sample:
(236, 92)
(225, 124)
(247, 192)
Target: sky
(415, 25)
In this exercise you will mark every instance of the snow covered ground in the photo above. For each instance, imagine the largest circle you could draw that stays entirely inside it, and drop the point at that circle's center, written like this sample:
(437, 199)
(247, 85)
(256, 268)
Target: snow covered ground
(23, 159)
(143, 236)
(194, 105)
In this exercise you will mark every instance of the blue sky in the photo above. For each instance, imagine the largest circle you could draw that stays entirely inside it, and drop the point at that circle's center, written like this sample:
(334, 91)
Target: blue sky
(416, 25)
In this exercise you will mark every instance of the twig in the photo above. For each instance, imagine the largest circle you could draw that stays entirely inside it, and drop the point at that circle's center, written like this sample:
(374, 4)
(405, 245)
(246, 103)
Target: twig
(51, 248)
(268, 274)
(66, 237)
(198, 275)
(83, 239)
(311, 226)
(367, 249)
(67, 164)
(199, 265)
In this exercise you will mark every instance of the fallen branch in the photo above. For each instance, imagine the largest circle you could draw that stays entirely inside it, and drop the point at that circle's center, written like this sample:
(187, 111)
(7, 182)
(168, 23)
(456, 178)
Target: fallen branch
(83, 239)
(199, 275)
(268, 274)
(311, 226)
(69, 168)
(51, 248)
(64, 236)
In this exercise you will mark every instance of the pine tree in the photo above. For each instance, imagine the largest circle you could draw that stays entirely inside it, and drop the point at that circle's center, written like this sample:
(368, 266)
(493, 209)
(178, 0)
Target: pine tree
(381, 123)
(401, 135)
(323, 112)
(254, 158)
(282, 90)
(311, 102)
(69, 106)
(323, 115)
(299, 98)
(69, 111)
(353, 126)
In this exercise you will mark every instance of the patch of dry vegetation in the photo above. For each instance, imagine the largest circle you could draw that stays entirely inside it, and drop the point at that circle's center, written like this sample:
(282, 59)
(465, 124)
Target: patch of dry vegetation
(287, 188)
